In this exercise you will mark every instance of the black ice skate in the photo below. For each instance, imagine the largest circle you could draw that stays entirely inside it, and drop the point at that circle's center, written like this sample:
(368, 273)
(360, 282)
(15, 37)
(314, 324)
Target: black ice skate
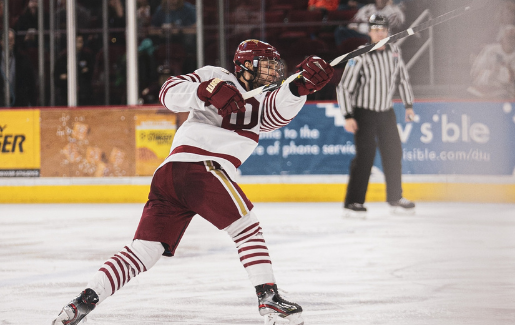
(402, 206)
(77, 309)
(354, 210)
(275, 308)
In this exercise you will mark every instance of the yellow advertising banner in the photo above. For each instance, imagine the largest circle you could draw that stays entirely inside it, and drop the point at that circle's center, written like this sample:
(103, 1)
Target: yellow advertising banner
(154, 136)
(20, 143)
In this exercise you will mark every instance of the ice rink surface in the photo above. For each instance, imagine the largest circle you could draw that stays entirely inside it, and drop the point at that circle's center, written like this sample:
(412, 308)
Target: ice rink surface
(450, 263)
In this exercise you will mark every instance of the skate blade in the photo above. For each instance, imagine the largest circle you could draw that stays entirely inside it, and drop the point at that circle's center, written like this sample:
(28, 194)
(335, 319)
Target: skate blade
(347, 213)
(276, 319)
(271, 319)
(62, 317)
(295, 319)
(402, 211)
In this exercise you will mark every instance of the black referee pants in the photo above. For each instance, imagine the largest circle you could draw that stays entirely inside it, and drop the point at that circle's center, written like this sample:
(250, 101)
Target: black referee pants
(375, 129)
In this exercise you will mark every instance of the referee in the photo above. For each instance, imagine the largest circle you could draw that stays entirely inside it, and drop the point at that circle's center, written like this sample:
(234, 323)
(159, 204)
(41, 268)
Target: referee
(365, 98)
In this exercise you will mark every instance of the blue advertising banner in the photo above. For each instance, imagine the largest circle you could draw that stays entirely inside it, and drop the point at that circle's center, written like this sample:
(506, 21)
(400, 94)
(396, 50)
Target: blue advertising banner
(465, 138)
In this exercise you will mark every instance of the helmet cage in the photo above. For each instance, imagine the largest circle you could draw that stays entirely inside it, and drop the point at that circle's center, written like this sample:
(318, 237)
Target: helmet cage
(268, 71)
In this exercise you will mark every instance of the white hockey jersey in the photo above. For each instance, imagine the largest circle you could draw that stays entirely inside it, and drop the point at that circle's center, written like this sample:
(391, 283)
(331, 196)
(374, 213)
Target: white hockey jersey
(205, 135)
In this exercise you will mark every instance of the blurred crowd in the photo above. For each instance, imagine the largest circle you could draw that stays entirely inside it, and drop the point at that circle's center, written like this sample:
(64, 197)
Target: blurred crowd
(167, 43)
(493, 68)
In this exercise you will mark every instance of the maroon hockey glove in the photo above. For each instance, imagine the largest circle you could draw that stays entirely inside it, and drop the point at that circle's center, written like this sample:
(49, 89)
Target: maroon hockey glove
(316, 75)
(226, 98)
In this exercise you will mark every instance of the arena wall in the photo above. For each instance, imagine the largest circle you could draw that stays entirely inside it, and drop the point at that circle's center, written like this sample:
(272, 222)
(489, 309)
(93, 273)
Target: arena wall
(454, 151)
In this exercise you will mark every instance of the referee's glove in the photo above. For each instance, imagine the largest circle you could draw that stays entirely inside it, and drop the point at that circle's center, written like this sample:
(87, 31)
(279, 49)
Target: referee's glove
(316, 73)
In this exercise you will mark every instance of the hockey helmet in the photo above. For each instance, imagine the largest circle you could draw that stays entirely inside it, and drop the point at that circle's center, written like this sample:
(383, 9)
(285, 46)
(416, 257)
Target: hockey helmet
(257, 51)
(378, 20)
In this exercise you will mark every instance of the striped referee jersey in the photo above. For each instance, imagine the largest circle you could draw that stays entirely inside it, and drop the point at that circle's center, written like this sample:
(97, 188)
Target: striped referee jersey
(369, 81)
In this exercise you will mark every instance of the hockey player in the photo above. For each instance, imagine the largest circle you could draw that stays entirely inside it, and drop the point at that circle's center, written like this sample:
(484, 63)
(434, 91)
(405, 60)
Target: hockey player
(220, 133)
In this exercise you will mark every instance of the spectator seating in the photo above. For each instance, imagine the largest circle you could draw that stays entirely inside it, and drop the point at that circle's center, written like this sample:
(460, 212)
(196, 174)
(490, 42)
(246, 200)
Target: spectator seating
(289, 26)
(300, 49)
(312, 19)
(350, 44)
(170, 57)
(272, 32)
(341, 15)
(286, 5)
(116, 52)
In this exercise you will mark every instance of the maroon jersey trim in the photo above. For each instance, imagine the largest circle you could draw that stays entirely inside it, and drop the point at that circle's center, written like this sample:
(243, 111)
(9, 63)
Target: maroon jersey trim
(190, 149)
(248, 134)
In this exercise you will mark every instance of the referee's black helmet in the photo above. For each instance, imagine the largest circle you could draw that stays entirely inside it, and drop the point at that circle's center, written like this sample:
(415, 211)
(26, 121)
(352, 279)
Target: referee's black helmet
(378, 20)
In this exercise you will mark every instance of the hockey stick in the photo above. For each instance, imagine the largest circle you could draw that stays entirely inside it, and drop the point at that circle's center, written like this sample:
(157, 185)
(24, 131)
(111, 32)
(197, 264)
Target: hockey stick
(372, 47)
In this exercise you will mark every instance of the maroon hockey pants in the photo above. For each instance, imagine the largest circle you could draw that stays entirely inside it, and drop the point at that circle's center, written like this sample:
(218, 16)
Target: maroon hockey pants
(179, 190)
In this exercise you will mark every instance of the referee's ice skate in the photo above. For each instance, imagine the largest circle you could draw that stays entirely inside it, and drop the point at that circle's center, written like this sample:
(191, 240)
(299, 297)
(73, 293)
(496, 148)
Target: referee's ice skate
(275, 309)
(354, 210)
(77, 309)
(402, 206)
